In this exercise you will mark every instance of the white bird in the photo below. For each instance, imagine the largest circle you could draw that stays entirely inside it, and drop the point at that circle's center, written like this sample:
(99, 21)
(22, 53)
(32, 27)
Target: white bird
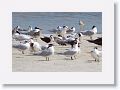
(60, 30)
(96, 54)
(73, 50)
(22, 46)
(20, 37)
(89, 33)
(47, 52)
(70, 31)
(34, 46)
(57, 30)
(36, 29)
(81, 23)
(30, 29)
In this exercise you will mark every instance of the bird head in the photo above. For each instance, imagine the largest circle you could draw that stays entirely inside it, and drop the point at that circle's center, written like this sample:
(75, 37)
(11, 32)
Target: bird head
(73, 28)
(36, 28)
(93, 27)
(78, 44)
(95, 48)
(50, 45)
(65, 27)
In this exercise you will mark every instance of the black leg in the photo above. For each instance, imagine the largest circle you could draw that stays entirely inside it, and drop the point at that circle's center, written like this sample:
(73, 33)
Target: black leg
(22, 52)
(98, 60)
(91, 37)
(71, 58)
(95, 60)
(75, 57)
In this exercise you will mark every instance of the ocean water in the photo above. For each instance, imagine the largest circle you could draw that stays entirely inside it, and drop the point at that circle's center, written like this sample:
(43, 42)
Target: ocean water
(50, 20)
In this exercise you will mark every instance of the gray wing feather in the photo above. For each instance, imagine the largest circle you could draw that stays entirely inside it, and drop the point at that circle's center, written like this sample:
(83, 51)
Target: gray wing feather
(20, 46)
(60, 41)
(43, 53)
(43, 47)
(69, 52)
(87, 33)
(54, 30)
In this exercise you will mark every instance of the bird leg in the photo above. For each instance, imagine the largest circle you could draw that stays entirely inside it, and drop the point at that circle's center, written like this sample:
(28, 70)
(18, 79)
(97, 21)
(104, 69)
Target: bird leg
(46, 58)
(80, 39)
(95, 60)
(75, 57)
(22, 52)
(98, 60)
(91, 37)
(71, 58)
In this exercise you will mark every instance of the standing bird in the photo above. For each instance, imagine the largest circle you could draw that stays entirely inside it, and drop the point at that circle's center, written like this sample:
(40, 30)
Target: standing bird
(97, 41)
(35, 32)
(57, 31)
(47, 52)
(96, 54)
(29, 29)
(18, 36)
(73, 50)
(60, 30)
(48, 39)
(71, 30)
(89, 33)
(34, 46)
(22, 46)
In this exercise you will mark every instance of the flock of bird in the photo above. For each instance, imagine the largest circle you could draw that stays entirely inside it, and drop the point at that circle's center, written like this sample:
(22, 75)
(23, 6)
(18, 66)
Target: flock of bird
(62, 36)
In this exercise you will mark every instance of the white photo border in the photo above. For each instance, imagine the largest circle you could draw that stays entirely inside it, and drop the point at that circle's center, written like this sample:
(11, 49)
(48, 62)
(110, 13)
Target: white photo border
(104, 77)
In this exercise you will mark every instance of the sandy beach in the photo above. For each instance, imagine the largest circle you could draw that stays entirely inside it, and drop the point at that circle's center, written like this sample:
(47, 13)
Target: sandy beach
(58, 63)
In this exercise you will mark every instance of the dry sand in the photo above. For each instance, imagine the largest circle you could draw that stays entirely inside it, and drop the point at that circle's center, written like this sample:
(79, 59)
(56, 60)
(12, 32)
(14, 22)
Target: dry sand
(58, 63)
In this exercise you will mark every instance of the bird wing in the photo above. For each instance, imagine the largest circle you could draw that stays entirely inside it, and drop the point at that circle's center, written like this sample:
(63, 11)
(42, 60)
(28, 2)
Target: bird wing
(87, 32)
(46, 39)
(43, 47)
(19, 46)
(96, 41)
(53, 30)
(70, 52)
(43, 53)
(59, 41)
(69, 31)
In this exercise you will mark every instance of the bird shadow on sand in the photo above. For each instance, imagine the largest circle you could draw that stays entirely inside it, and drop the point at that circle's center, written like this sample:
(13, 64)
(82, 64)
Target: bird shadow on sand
(90, 61)
(19, 57)
(43, 60)
(68, 59)
(31, 55)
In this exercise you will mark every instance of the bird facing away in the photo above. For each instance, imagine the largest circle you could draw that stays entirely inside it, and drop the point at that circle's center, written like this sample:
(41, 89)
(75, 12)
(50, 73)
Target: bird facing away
(96, 54)
(97, 41)
(47, 52)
